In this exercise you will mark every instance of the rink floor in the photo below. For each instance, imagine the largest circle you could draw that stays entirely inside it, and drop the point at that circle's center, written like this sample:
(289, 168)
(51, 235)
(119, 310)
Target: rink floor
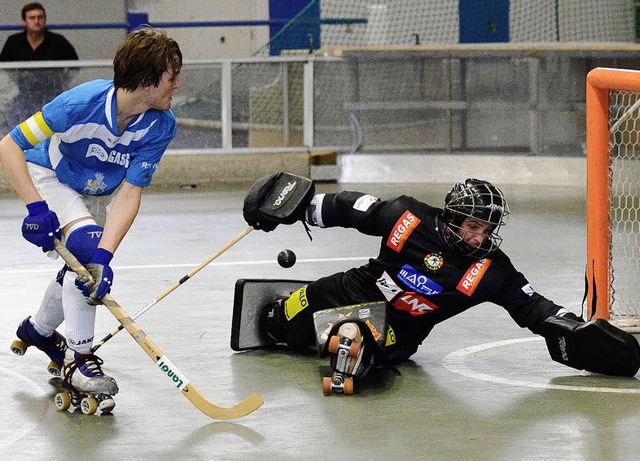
(480, 388)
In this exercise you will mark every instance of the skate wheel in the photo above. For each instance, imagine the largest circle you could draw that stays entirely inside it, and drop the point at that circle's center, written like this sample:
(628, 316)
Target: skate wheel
(88, 405)
(333, 344)
(347, 386)
(19, 347)
(354, 349)
(327, 385)
(54, 368)
(62, 401)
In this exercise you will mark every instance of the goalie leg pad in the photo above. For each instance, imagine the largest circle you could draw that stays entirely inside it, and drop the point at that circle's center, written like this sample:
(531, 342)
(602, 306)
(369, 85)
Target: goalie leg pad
(595, 346)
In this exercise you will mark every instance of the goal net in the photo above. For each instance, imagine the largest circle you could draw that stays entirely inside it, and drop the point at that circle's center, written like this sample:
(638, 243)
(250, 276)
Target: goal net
(613, 195)
(376, 23)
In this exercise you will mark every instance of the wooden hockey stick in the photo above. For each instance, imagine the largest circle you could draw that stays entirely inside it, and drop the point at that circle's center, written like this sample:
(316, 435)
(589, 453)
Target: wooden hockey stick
(174, 286)
(248, 405)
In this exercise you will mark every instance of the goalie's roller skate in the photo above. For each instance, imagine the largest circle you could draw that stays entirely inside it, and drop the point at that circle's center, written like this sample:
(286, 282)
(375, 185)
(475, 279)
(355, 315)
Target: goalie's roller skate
(86, 386)
(354, 338)
(347, 349)
(55, 346)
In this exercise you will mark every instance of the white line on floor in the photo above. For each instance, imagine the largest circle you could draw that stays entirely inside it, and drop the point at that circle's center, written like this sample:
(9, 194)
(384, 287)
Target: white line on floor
(455, 362)
(40, 269)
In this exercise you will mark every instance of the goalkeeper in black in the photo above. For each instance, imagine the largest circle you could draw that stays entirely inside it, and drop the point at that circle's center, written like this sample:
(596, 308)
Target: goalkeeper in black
(433, 264)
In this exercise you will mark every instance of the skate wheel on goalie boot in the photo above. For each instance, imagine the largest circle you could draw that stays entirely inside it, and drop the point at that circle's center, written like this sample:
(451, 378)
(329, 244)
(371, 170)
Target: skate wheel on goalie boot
(62, 401)
(347, 386)
(354, 349)
(88, 405)
(19, 347)
(327, 385)
(334, 341)
(54, 368)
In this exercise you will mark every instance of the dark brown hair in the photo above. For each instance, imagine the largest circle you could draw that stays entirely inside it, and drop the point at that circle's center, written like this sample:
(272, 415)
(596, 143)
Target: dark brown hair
(143, 57)
(32, 6)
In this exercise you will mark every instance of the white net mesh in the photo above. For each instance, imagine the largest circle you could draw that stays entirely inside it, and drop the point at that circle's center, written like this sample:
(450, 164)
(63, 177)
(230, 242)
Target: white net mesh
(399, 22)
(571, 20)
(625, 205)
(399, 86)
(376, 23)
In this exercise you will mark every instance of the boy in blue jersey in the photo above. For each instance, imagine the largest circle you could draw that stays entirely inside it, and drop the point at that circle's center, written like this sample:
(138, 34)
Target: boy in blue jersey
(100, 139)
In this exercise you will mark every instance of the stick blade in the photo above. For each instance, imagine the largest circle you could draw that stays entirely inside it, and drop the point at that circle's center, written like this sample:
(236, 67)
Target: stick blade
(215, 411)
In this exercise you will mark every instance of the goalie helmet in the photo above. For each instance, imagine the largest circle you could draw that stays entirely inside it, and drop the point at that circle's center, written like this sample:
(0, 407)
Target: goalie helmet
(480, 200)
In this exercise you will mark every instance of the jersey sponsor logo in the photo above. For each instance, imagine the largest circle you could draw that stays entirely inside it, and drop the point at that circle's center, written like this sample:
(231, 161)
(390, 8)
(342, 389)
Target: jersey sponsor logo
(388, 287)
(528, 290)
(418, 282)
(284, 195)
(149, 166)
(364, 202)
(115, 157)
(414, 304)
(433, 261)
(296, 303)
(402, 230)
(472, 277)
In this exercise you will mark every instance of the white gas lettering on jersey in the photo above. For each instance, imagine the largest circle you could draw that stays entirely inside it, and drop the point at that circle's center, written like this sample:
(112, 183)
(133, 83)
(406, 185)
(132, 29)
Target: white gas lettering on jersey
(401, 229)
(115, 157)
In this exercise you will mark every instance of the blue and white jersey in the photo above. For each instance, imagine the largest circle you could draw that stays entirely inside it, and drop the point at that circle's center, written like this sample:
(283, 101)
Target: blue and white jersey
(77, 135)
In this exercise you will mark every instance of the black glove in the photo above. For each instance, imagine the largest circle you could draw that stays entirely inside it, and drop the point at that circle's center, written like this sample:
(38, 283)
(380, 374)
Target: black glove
(572, 316)
(255, 198)
(279, 198)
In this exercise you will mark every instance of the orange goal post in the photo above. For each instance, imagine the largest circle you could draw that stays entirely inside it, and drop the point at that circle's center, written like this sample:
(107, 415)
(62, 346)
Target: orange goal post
(613, 196)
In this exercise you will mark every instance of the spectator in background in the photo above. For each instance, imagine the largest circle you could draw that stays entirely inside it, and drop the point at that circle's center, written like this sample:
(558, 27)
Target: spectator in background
(36, 42)
(38, 86)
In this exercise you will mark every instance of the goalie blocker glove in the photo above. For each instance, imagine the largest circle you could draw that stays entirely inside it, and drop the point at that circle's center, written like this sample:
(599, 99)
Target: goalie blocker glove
(595, 346)
(280, 198)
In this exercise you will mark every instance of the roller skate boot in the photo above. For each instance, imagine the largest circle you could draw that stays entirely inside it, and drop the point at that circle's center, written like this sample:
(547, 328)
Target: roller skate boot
(346, 348)
(86, 386)
(55, 346)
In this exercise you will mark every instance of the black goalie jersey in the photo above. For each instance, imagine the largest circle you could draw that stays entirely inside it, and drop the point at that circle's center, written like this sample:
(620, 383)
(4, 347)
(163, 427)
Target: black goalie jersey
(421, 278)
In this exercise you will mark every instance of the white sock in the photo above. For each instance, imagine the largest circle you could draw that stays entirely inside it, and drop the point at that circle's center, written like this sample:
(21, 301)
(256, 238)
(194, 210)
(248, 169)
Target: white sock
(50, 314)
(80, 317)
